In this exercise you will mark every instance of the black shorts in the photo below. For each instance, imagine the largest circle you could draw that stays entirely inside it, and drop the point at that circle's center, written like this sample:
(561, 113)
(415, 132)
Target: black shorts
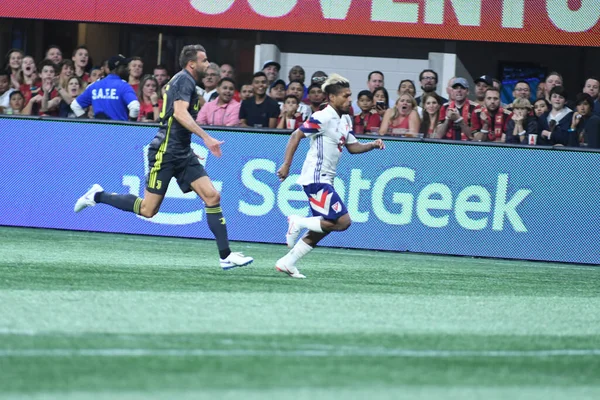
(163, 166)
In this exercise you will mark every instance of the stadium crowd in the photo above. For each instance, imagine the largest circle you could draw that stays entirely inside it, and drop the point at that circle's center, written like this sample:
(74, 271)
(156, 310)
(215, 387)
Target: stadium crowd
(543, 115)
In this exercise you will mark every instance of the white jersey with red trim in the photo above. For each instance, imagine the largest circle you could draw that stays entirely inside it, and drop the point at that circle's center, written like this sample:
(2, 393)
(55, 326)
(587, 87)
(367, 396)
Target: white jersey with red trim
(328, 133)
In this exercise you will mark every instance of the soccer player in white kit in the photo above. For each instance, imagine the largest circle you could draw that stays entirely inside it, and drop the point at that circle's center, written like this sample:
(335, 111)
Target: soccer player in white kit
(329, 130)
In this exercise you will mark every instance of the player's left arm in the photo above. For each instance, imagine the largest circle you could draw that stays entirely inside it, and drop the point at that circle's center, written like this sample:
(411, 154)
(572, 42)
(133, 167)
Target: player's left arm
(357, 148)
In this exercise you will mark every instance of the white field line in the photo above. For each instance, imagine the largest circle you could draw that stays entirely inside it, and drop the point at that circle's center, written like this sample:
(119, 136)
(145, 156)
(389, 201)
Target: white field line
(364, 352)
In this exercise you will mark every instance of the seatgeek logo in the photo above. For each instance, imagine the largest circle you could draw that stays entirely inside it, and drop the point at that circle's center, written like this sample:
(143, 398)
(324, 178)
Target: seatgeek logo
(473, 207)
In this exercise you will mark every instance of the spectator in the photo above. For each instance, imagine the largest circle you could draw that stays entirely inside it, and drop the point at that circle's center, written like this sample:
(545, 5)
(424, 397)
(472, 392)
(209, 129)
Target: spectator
(521, 123)
(553, 126)
(455, 116)
(318, 77)
(50, 96)
(375, 80)
(95, 74)
(449, 90)
(5, 89)
(54, 54)
(277, 91)
(381, 98)
(402, 119)
(66, 70)
(227, 71)
(75, 87)
(136, 69)
(540, 107)
(16, 104)
(316, 97)
(407, 86)
(161, 73)
(14, 59)
(552, 80)
(105, 69)
(592, 87)
(482, 84)
(211, 79)
(112, 97)
(585, 125)
(259, 111)
(368, 121)
(540, 92)
(271, 70)
(296, 88)
(297, 74)
(247, 91)
(522, 90)
(497, 84)
(29, 81)
(488, 123)
(429, 81)
(289, 117)
(80, 61)
(431, 114)
(150, 103)
(224, 110)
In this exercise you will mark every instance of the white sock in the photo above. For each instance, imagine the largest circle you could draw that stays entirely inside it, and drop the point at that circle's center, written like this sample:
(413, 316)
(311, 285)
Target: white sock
(300, 250)
(311, 223)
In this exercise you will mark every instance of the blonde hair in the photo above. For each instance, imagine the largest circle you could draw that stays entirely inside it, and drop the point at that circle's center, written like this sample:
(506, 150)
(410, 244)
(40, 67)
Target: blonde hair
(521, 103)
(396, 113)
(334, 83)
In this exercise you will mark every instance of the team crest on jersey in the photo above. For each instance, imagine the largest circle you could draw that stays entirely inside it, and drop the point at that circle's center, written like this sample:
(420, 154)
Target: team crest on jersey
(337, 207)
(320, 201)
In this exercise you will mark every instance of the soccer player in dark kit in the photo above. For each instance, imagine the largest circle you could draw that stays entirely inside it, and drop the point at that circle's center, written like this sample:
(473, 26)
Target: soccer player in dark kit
(170, 155)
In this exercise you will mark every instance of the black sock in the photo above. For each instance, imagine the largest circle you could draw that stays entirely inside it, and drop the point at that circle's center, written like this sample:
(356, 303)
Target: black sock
(216, 223)
(125, 202)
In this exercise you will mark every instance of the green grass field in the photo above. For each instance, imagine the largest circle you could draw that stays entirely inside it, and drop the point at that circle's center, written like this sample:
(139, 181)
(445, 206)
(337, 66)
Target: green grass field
(104, 316)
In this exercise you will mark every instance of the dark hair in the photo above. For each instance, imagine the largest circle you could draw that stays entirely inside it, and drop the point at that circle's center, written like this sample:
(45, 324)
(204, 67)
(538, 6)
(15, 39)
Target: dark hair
(189, 53)
(161, 66)
(428, 70)
(79, 48)
(53, 46)
(559, 90)
(314, 85)
(46, 62)
(375, 72)
(407, 80)
(365, 93)
(498, 82)
(298, 81)
(291, 96)
(64, 62)
(426, 120)
(258, 75)
(226, 80)
(13, 50)
(385, 93)
(523, 81)
(595, 78)
(548, 105)
(492, 89)
(584, 98)
(5, 73)
(14, 93)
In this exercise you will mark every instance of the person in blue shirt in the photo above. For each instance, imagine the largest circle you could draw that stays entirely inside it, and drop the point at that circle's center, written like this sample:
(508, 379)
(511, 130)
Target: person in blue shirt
(112, 97)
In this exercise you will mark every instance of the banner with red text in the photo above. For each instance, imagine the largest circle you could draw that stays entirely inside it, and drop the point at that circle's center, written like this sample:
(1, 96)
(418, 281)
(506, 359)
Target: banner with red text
(558, 22)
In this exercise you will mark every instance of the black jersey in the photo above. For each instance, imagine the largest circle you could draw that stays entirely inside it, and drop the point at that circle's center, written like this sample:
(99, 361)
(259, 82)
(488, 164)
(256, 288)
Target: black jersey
(172, 136)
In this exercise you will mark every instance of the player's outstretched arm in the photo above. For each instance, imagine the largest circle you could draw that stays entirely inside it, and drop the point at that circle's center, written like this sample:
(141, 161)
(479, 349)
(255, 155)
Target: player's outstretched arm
(183, 116)
(357, 148)
(290, 150)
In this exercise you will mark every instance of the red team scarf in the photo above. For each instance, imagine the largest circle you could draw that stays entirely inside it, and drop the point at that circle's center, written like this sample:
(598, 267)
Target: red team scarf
(466, 115)
(498, 121)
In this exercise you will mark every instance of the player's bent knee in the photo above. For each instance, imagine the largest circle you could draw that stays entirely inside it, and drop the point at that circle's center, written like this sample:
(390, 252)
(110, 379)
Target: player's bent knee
(148, 212)
(212, 198)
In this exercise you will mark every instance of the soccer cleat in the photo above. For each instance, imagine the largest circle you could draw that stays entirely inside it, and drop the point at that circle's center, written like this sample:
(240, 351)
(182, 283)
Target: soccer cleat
(235, 260)
(291, 270)
(87, 200)
(293, 231)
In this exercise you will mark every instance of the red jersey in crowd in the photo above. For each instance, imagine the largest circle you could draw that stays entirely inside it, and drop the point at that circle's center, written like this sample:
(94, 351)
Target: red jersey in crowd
(466, 111)
(496, 122)
(366, 122)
